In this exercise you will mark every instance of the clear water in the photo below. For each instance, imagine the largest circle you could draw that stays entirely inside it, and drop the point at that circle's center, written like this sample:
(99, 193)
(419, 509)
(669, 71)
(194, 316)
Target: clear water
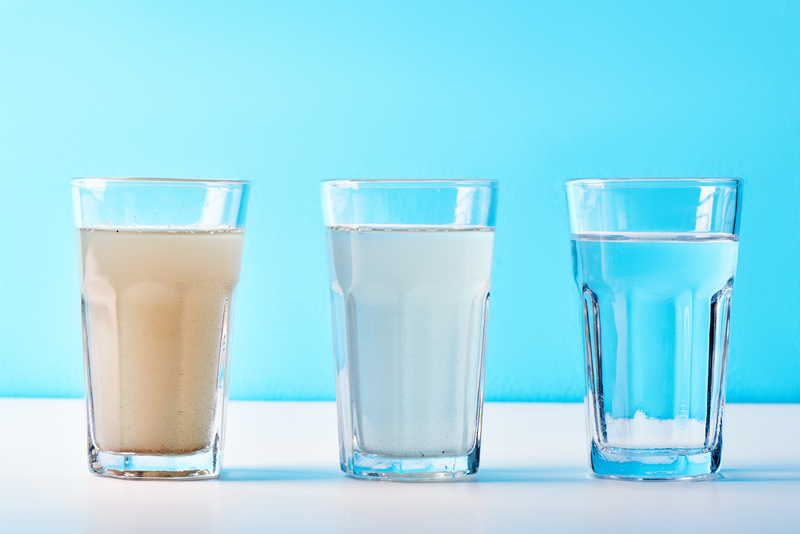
(655, 316)
(409, 309)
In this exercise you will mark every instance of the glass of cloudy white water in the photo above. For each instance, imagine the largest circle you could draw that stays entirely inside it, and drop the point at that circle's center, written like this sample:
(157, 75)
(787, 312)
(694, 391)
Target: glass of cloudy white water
(410, 268)
(160, 261)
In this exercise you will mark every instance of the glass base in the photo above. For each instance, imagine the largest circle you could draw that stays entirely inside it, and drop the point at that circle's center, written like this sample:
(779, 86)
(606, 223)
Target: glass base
(654, 464)
(373, 466)
(199, 465)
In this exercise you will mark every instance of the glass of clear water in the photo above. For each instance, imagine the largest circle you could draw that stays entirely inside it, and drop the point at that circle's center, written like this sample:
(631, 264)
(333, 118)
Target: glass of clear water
(160, 262)
(654, 261)
(410, 268)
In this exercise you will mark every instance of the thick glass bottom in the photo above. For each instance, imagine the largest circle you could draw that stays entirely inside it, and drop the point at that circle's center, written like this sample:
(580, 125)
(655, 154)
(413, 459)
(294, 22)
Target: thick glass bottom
(372, 466)
(654, 464)
(199, 465)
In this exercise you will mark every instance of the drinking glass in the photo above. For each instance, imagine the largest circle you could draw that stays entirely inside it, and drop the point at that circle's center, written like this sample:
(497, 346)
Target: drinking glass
(410, 268)
(160, 261)
(654, 261)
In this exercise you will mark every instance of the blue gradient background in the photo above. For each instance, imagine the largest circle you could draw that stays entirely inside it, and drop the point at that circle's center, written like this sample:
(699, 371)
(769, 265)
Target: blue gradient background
(286, 94)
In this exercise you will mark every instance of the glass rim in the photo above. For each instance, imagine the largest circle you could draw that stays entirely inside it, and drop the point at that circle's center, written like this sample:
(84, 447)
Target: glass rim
(151, 181)
(677, 182)
(399, 182)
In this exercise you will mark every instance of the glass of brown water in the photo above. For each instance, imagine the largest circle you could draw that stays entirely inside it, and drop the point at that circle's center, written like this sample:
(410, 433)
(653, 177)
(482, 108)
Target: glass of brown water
(160, 262)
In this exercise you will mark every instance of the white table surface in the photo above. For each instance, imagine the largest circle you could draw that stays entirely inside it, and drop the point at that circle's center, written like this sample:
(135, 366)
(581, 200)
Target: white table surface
(281, 474)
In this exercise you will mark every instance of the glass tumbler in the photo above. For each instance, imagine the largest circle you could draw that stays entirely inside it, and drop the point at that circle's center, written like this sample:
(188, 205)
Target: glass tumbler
(654, 261)
(160, 261)
(410, 268)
